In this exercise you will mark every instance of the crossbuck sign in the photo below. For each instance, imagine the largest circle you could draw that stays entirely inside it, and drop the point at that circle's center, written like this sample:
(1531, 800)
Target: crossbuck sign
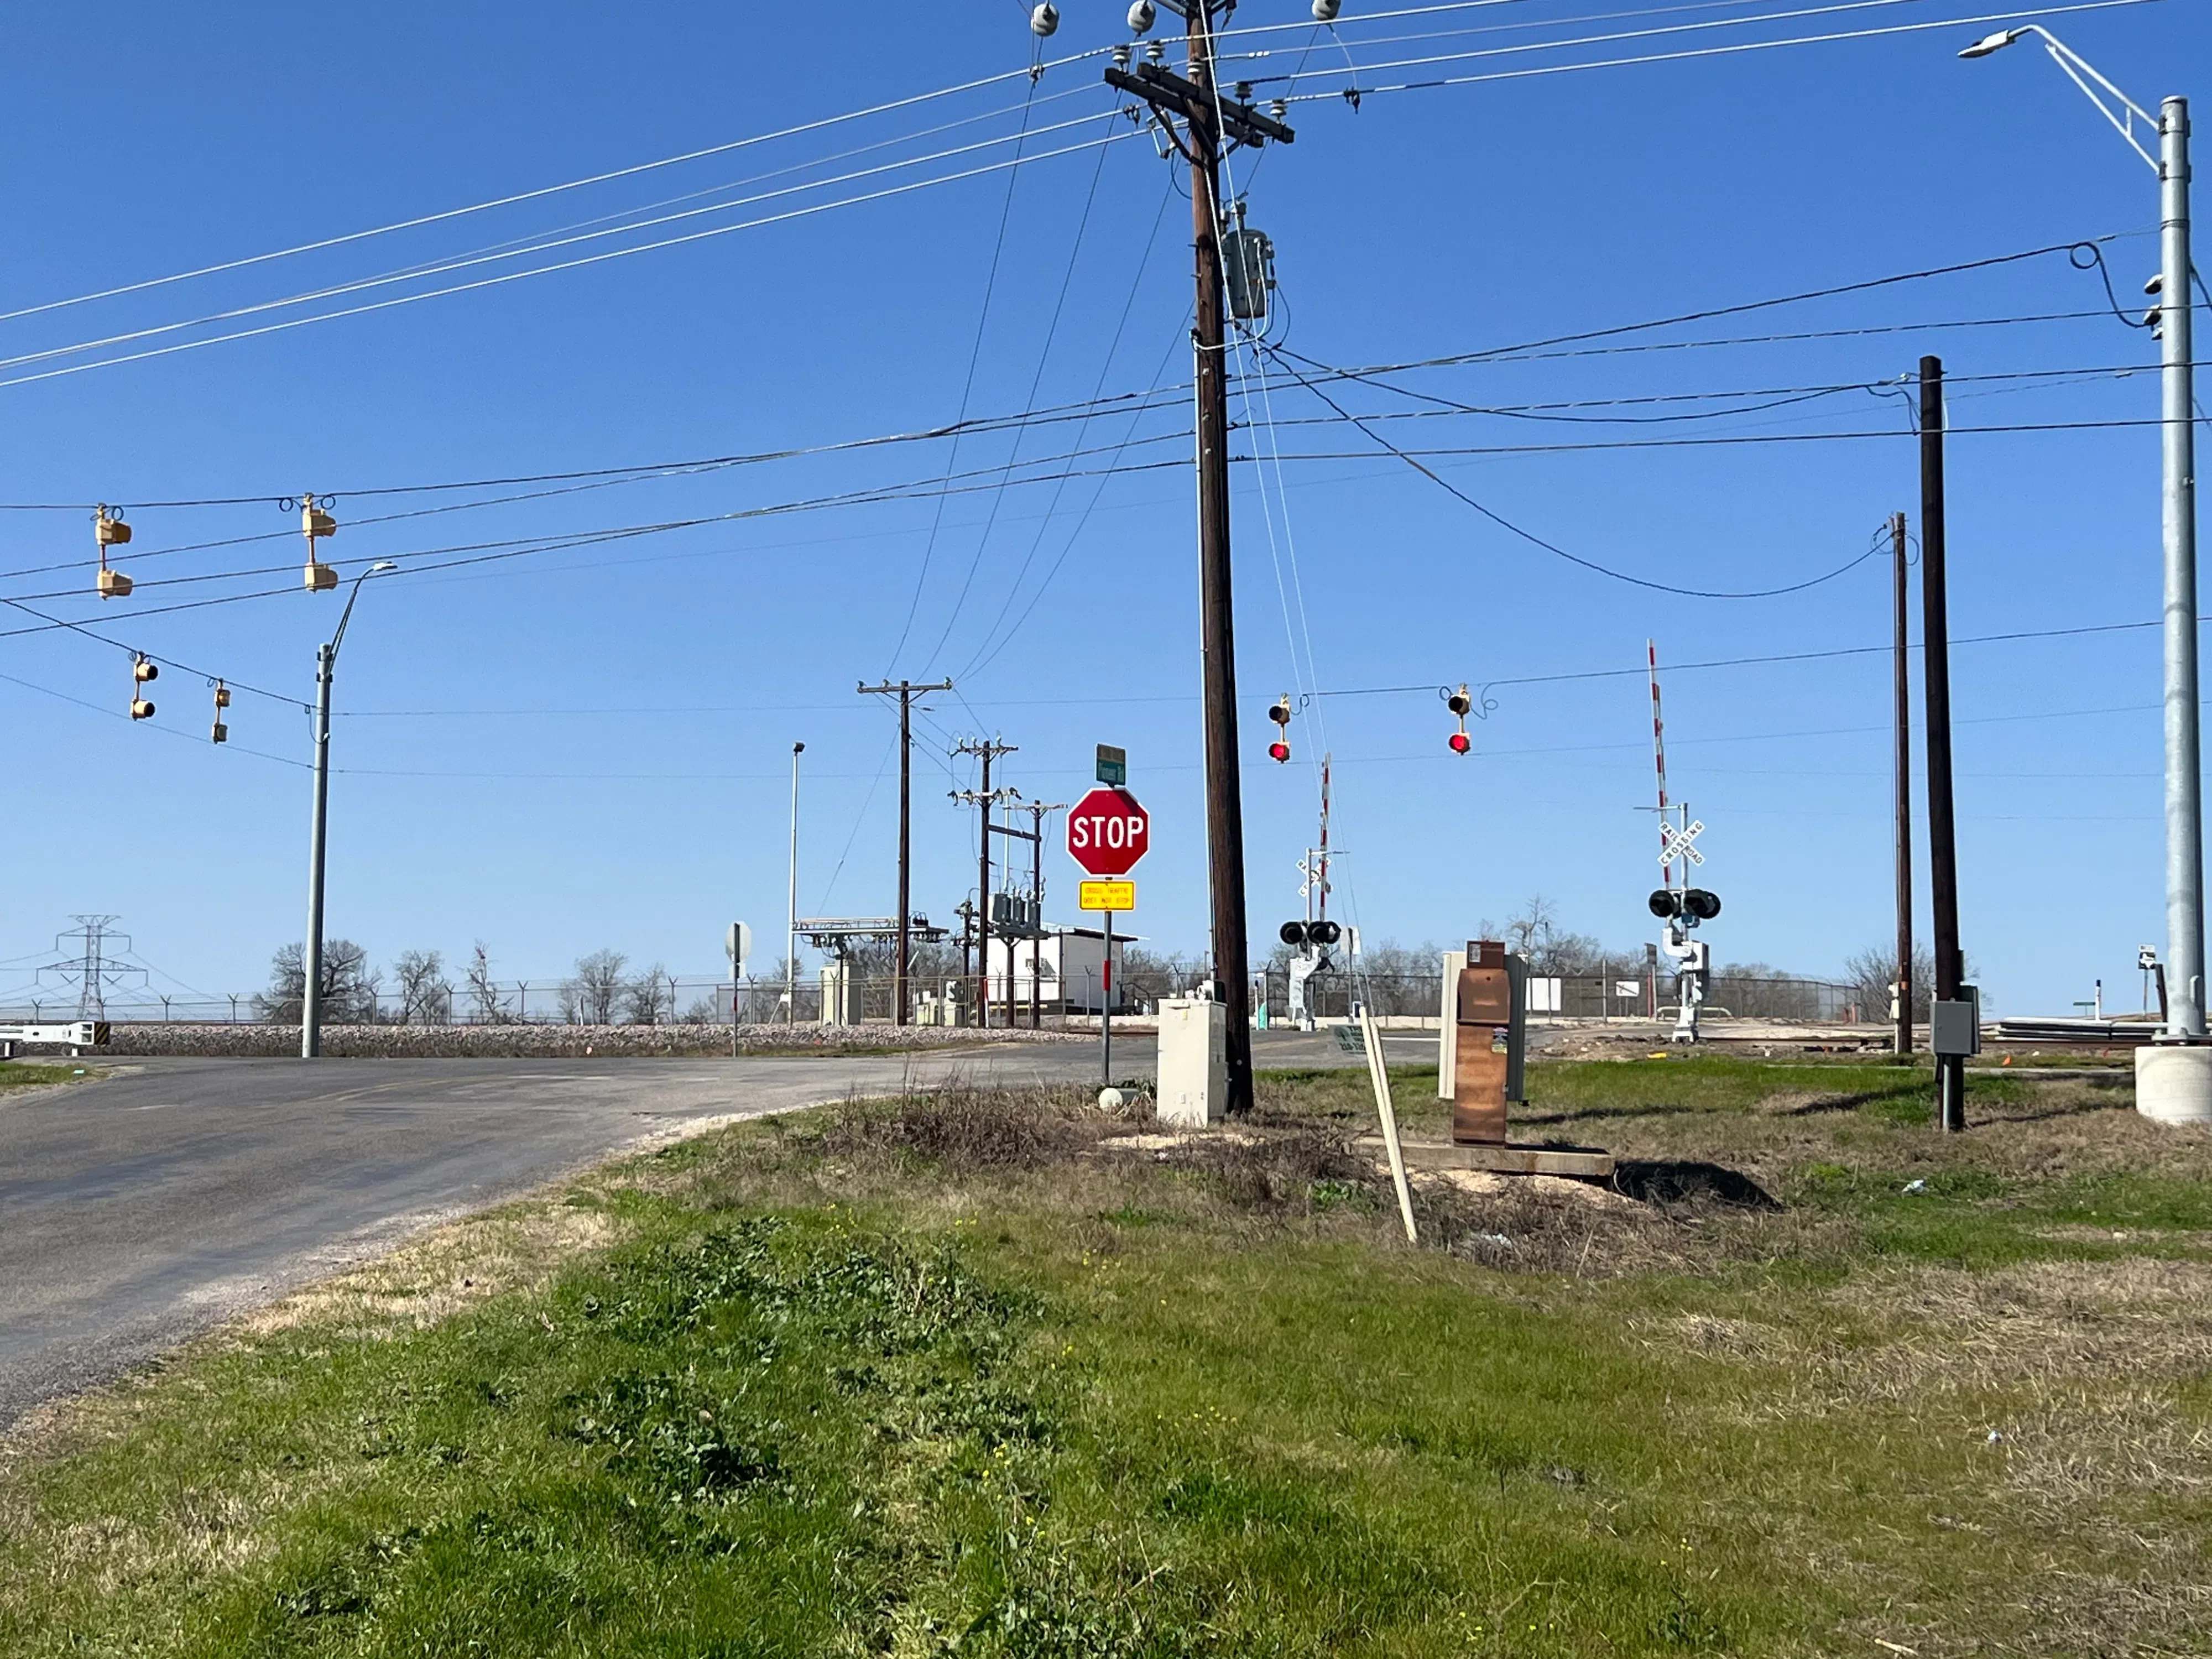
(1677, 845)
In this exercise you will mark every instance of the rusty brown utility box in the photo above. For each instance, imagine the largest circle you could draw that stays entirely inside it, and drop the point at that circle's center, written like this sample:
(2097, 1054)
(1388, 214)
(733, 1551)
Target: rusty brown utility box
(1485, 1018)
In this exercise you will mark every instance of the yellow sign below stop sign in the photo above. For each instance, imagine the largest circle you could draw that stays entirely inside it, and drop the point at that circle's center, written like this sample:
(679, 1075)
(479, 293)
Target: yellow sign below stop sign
(1106, 896)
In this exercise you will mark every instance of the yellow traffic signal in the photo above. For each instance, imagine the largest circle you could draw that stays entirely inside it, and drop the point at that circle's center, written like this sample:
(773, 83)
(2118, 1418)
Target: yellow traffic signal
(143, 671)
(108, 530)
(315, 524)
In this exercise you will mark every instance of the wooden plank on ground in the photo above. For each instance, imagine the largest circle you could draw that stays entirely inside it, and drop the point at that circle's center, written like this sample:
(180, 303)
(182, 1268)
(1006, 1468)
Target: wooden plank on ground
(1583, 1164)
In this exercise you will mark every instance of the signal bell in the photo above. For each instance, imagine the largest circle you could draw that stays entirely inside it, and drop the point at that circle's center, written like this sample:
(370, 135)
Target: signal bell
(1280, 750)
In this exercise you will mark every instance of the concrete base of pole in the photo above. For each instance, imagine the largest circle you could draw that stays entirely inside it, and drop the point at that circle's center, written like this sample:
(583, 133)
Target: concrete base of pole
(2173, 1082)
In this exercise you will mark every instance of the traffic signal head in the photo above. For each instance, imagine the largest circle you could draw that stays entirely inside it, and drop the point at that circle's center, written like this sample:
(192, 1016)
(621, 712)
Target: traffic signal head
(1291, 933)
(315, 521)
(219, 733)
(1459, 702)
(1666, 902)
(1324, 933)
(1280, 750)
(108, 532)
(143, 670)
(318, 577)
(141, 710)
(1299, 933)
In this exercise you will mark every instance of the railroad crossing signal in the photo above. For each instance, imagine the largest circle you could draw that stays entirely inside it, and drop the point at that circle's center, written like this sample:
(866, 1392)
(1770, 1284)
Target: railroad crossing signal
(1677, 844)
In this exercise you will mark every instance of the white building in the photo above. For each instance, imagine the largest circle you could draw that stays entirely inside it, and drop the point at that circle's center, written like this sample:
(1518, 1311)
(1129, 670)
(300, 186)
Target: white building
(1069, 965)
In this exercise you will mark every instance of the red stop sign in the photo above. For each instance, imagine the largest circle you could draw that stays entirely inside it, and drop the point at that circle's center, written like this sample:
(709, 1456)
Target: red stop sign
(1108, 832)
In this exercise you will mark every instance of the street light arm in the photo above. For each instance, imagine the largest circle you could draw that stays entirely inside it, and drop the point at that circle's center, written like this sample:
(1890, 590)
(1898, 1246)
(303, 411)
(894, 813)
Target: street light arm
(346, 615)
(2081, 72)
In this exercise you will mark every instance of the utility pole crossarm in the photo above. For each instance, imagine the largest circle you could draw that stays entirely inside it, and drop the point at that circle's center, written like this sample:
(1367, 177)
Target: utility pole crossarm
(1164, 90)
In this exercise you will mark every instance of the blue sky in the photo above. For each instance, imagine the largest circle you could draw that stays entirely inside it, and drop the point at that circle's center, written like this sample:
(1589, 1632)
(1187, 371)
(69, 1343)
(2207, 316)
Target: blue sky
(588, 747)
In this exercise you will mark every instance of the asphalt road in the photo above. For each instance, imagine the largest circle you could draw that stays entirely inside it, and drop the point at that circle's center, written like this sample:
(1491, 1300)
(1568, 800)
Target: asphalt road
(142, 1209)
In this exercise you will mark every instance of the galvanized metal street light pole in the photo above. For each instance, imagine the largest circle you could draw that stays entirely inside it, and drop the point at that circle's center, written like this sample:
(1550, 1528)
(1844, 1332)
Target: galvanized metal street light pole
(791, 931)
(311, 954)
(2182, 1085)
(2184, 800)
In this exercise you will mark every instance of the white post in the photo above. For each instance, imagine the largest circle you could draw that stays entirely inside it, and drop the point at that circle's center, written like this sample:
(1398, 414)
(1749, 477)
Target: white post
(1378, 1075)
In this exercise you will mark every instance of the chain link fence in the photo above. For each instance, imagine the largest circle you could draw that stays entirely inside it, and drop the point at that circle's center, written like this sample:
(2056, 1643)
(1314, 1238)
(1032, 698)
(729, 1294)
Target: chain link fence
(764, 1002)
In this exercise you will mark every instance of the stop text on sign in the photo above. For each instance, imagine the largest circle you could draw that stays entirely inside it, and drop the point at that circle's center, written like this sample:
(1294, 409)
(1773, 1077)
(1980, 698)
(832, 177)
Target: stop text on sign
(1108, 832)
(1110, 829)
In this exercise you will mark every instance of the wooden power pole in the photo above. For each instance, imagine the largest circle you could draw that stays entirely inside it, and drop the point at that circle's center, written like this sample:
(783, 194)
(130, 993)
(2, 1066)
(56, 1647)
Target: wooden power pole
(1901, 981)
(984, 798)
(1207, 119)
(1936, 645)
(906, 691)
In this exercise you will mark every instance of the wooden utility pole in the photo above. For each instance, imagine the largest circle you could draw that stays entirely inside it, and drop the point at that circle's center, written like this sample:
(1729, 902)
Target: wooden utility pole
(984, 798)
(1216, 623)
(1902, 981)
(1036, 810)
(1935, 646)
(1208, 118)
(906, 691)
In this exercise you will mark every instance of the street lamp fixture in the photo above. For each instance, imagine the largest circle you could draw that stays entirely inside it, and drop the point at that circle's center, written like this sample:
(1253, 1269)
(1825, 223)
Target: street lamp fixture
(1990, 43)
(310, 964)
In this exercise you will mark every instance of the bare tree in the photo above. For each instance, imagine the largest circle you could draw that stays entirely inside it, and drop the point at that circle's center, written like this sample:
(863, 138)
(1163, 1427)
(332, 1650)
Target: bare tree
(426, 995)
(348, 988)
(589, 998)
(1872, 974)
(485, 1004)
(642, 996)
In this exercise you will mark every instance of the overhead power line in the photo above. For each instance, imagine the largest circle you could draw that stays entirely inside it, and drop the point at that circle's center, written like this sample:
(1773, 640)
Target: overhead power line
(540, 193)
(581, 261)
(519, 249)
(1729, 50)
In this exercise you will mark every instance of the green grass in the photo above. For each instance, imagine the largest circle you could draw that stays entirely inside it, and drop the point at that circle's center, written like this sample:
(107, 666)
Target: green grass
(957, 1375)
(16, 1074)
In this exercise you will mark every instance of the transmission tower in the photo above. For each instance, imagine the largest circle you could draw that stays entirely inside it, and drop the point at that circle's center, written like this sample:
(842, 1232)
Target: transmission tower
(88, 965)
